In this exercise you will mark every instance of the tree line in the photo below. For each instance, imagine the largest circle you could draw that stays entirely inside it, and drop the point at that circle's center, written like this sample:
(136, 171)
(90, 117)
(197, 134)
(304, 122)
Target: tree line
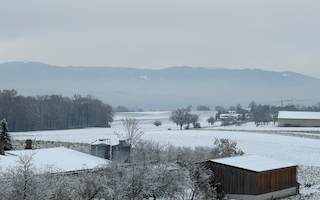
(51, 112)
(264, 113)
(260, 114)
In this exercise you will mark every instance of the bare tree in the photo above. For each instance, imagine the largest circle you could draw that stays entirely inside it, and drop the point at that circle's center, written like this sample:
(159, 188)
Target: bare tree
(133, 132)
(180, 116)
(225, 148)
(149, 151)
(253, 106)
(202, 182)
(220, 109)
(261, 117)
(194, 119)
(123, 109)
(239, 108)
(203, 108)
(88, 185)
(25, 181)
(7, 100)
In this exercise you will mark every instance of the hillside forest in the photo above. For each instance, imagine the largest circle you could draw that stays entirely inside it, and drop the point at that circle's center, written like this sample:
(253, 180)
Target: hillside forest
(52, 112)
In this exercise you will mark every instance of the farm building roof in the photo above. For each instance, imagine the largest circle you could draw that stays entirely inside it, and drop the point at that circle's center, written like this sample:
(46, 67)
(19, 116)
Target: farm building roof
(101, 141)
(298, 115)
(253, 163)
(62, 158)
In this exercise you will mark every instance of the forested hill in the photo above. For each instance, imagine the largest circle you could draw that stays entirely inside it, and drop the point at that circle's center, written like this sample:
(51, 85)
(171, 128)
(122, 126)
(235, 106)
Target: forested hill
(52, 112)
(167, 88)
(20, 71)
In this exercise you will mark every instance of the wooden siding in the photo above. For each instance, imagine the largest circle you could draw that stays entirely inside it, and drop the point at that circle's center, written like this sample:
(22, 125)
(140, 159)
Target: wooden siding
(234, 180)
(275, 180)
(240, 181)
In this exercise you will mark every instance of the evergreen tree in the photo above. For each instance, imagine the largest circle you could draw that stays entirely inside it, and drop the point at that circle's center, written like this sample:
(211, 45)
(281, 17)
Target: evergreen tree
(5, 136)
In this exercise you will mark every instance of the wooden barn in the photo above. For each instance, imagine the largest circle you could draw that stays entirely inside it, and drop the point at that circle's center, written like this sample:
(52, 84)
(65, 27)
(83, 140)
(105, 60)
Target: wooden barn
(298, 119)
(254, 177)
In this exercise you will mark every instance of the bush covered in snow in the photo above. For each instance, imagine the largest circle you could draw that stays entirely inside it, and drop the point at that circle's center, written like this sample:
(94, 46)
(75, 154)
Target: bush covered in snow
(40, 144)
(157, 123)
(309, 180)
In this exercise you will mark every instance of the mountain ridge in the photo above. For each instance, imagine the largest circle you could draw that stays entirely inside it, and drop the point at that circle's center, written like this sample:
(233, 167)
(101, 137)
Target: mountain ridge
(166, 88)
(183, 70)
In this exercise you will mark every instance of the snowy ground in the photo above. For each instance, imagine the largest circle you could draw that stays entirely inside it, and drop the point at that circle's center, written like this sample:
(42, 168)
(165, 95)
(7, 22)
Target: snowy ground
(300, 146)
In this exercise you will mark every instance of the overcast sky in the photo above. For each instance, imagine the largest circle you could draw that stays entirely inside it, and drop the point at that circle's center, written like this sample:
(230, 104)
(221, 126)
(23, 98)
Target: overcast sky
(276, 35)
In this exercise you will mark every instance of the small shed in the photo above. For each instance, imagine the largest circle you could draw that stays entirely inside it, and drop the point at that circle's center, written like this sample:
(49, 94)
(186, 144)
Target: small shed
(254, 177)
(298, 119)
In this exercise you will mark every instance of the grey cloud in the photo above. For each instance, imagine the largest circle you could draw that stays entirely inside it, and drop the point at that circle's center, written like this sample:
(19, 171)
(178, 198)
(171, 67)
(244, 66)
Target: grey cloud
(158, 34)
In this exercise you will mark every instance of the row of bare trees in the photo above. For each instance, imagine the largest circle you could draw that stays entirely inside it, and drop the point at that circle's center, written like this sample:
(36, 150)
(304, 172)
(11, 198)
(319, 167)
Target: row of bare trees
(47, 112)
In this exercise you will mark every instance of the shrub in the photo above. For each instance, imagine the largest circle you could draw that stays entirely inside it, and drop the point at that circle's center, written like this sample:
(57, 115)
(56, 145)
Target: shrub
(211, 120)
(157, 123)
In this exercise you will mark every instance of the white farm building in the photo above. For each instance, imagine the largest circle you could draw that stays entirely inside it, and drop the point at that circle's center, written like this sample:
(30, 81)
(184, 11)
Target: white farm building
(298, 119)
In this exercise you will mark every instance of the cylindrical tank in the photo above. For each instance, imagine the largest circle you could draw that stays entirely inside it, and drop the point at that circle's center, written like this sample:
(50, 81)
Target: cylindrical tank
(121, 151)
(101, 149)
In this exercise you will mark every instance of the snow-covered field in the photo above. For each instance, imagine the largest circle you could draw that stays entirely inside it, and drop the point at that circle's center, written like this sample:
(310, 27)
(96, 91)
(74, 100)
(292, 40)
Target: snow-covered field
(268, 140)
(300, 146)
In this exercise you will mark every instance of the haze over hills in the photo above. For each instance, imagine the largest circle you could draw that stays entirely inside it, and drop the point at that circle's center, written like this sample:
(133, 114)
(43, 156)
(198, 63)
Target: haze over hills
(168, 88)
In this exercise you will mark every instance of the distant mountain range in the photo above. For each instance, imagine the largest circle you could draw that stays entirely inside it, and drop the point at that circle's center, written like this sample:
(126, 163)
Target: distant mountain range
(168, 88)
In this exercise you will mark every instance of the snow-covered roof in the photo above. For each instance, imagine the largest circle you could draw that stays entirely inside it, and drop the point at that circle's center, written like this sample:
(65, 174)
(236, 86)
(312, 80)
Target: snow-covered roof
(254, 163)
(62, 158)
(298, 115)
(101, 141)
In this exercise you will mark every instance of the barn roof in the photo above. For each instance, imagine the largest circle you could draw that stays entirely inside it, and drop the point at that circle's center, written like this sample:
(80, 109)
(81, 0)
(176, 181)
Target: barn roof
(253, 163)
(298, 115)
(65, 159)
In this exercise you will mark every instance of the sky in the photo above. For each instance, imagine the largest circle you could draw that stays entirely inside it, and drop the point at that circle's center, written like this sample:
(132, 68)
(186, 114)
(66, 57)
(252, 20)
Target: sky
(271, 35)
